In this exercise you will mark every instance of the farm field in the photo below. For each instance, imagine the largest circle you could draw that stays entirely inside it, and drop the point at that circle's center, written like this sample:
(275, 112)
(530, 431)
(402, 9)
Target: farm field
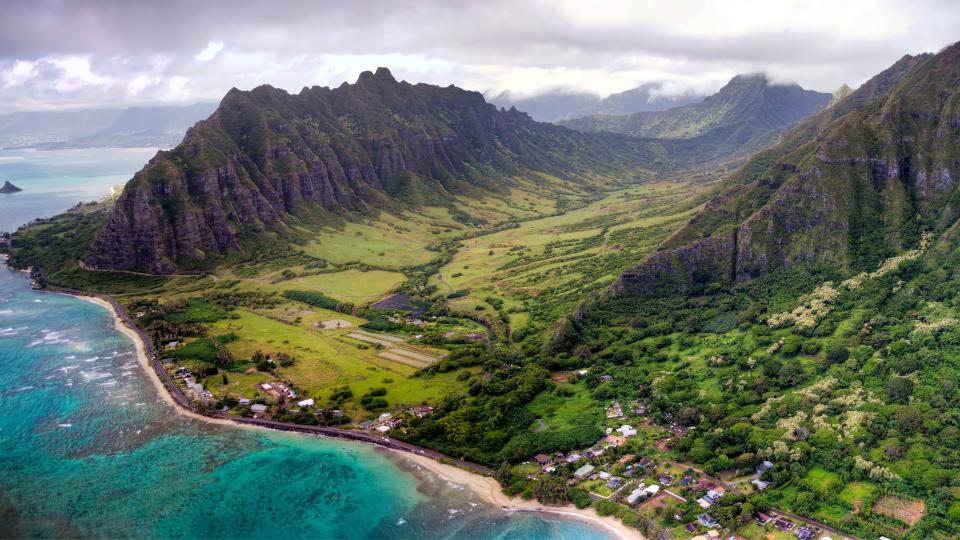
(557, 260)
(326, 359)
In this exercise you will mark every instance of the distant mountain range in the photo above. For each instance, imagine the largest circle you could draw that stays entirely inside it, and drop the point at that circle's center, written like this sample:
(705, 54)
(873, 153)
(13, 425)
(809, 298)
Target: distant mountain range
(746, 115)
(565, 104)
(161, 126)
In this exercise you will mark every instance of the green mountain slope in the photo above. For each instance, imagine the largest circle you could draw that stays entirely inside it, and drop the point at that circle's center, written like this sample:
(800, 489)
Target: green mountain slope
(746, 115)
(845, 187)
(267, 161)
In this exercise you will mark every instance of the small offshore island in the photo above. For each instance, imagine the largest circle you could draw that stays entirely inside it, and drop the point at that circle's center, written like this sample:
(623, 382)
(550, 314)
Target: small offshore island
(9, 188)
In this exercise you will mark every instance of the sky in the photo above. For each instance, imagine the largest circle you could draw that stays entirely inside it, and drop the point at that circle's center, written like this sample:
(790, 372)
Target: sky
(69, 54)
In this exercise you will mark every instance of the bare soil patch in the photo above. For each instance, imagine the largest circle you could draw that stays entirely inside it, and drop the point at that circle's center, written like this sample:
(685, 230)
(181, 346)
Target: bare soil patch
(909, 511)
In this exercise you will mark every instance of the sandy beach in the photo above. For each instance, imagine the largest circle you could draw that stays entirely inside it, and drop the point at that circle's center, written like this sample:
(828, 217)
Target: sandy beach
(485, 487)
(489, 490)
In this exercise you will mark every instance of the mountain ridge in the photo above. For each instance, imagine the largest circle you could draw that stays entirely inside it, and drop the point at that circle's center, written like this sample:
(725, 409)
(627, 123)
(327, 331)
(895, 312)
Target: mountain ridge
(816, 198)
(267, 159)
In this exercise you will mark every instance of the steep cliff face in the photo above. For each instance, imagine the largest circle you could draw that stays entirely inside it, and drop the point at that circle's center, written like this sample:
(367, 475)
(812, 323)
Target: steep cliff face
(847, 188)
(267, 159)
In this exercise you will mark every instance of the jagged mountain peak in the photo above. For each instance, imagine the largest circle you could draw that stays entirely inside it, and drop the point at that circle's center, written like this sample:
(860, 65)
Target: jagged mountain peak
(267, 161)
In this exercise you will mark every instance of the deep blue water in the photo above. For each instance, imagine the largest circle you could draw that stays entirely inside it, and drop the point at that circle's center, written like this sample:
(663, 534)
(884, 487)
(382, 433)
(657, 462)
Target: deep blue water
(87, 449)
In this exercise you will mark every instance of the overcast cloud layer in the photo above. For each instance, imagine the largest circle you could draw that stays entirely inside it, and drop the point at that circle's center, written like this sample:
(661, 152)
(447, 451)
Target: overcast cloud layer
(80, 53)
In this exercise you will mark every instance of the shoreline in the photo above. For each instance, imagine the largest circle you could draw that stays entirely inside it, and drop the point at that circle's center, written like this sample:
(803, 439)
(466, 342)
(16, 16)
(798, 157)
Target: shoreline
(485, 487)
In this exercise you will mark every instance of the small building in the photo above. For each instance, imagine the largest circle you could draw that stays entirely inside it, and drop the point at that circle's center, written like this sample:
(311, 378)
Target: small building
(627, 459)
(805, 533)
(573, 458)
(651, 490)
(615, 483)
(542, 459)
(686, 480)
(704, 503)
(764, 467)
(665, 479)
(584, 471)
(784, 524)
(636, 494)
(245, 402)
(258, 408)
(760, 485)
(763, 519)
(305, 403)
(606, 378)
(383, 429)
(627, 431)
(707, 520)
(716, 492)
(645, 462)
(690, 527)
(171, 345)
(604, 475)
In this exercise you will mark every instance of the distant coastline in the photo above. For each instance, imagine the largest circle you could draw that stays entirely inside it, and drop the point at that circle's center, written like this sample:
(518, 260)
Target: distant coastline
(475, 477)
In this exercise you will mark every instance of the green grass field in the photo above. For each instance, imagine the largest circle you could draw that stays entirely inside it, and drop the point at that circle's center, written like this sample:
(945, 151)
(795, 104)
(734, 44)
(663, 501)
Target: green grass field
(326, 359)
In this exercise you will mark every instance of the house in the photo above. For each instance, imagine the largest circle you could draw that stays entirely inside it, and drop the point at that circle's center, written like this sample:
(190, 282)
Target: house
(266, 386)
(713, 535)
(420, 411)
(383, 429)
(583, 472)
(702, 484)
(760, 484)
(764, 467)
(366, 424)
(626, 431)
(615, 483)
(171, 345)
(604, 475)
(716, 493)
(627, 459)
(665, 479)
(573, 458)
(645, 462)
(305, 403)
(686, 480)
(704, 503)
(258, 408)
(707, 520)
(763, 519)
(606, 378)
(805, 533)
(549, 469)
(690, 527)
(245, 402)
(542, 459)
(651, 490)
(636, 494)
(784, 524)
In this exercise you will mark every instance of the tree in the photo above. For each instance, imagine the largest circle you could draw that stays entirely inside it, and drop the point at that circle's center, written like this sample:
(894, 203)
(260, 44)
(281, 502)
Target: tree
(899, 388)
(805, 503)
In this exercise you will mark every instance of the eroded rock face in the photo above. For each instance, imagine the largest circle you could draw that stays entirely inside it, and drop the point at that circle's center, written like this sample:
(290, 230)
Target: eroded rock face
(847, 188)
(266, 156)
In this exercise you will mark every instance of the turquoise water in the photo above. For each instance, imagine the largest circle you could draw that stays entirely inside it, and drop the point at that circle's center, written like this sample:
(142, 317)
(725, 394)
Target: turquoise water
(55, 180)
(87, 449)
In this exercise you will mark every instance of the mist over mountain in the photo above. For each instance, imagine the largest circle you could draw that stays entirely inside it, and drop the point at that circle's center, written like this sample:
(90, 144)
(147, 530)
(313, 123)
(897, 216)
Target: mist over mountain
(565, 104)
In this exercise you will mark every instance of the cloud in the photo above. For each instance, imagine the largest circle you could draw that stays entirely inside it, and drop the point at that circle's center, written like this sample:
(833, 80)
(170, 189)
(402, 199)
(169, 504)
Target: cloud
(211, 52)
(71, 53)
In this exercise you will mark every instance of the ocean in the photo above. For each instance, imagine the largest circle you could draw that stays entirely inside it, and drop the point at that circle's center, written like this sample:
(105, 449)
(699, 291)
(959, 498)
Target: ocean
(88, 448)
